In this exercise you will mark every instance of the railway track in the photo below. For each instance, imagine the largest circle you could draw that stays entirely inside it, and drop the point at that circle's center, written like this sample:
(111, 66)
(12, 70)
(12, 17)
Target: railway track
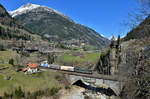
(97, 76)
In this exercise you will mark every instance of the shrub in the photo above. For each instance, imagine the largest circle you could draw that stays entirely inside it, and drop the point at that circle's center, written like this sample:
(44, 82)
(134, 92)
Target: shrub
(6, 95)
(11, 61)
(58, 77)
(18, 93)
(53, 91)
(2, 48)
(67, 87)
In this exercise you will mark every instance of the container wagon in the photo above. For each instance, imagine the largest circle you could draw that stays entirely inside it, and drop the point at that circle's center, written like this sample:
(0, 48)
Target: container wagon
(67, 68)
(56, 67)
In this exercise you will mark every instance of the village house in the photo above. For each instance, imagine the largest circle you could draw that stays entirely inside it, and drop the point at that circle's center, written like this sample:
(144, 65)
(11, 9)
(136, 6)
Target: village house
(32, 68)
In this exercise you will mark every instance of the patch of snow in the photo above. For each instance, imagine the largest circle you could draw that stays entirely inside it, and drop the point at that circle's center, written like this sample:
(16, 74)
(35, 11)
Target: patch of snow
(28, 7)
(23, 9)
(112, 37)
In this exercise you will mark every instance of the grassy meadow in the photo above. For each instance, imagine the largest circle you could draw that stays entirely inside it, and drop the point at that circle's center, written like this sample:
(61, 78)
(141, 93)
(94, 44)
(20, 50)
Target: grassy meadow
(82, 59)
(29, 83)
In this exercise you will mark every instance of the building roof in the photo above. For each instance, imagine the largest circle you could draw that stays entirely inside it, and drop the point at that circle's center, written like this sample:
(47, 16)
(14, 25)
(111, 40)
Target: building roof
(33, 65)
(24, 69)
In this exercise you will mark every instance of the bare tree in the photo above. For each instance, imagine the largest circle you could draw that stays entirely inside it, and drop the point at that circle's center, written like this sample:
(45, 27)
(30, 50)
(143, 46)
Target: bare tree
(138, 15)
(144, 6)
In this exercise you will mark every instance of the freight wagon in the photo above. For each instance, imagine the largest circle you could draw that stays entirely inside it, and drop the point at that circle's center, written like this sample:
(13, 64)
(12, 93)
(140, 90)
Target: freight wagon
(67, 68)
(56, 67)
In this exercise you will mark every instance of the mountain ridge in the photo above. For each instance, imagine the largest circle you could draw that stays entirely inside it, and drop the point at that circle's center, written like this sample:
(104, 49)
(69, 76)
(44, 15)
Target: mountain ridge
(140, 32)
(13, 34)
(9, 28)
(28, 7)
(58, 27)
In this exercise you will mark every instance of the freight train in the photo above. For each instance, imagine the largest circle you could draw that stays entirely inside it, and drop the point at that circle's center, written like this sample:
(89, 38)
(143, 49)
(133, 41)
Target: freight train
(67, 68)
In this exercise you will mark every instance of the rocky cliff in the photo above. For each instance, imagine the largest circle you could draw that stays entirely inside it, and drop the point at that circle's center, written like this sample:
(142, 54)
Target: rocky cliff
(110, 59)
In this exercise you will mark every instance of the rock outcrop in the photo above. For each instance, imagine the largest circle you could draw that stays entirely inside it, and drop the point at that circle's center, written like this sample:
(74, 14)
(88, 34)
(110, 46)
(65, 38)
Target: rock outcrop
(110, 58)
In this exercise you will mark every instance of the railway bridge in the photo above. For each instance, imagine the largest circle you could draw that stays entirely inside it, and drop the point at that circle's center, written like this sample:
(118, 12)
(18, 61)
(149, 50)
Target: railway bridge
(100, 82)
(96, 80)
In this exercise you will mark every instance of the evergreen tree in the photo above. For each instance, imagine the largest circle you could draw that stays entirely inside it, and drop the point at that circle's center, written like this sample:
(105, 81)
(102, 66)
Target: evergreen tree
(11, 61)
(51, 58)
(118, 40)
(18, 93)
(2, 48)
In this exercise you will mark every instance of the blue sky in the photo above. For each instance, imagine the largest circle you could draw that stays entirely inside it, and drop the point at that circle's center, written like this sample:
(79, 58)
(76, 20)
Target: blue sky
(104, 16)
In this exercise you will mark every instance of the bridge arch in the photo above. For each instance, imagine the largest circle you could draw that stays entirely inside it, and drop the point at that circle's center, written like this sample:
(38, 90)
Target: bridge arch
(111, 86)
(107, 91)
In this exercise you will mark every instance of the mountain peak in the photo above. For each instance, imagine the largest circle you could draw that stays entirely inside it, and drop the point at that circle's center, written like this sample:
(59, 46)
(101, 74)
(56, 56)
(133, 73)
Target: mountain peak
(29, 5)
(23, 9)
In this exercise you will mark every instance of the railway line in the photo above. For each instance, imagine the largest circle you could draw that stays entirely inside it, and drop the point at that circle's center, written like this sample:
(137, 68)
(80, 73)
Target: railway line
(97, 76)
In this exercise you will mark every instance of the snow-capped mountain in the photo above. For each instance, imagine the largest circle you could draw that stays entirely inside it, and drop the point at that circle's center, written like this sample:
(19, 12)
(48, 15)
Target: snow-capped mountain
(113, 38)
(55, 26)
(29, 7)
(23, 9)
